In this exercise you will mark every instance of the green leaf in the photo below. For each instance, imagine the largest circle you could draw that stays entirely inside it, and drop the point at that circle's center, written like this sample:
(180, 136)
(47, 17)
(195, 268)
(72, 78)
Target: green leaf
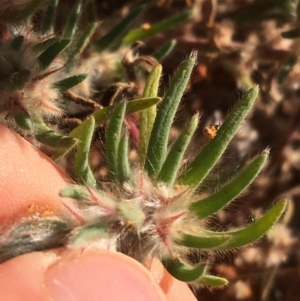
(85, 136)
(216, 180)
(141, 104)
(103, 115)
(90, 9)
(172, 163)
(157, 147)
(211, 204)
(48, 137)
(82, 42)
(147, 116)
(113, 136)
(16, 43)
(231, 67)
(194, 240)
(89, 233)
(213, 281)
(162, 52)
(142, 34)
(131, 212)
(70, 82)
(286, 69)
(49, 18)
(40, 47)
(182, 270)
(23, 120)
(214, 149)
(123, 167)
(47, 57)
(71, 26)
(117, 33)
(256, 230)
(136, 105)
(74, 192)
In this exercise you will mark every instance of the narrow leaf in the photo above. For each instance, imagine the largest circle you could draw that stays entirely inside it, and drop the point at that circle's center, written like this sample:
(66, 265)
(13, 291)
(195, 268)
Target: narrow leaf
(123, 161)
(216, 180)
(48, 137)
(122, 27)
(71, 26)
(90, 9)
(113, 136)
(213, 281)
(214, 149)
(81, 43)
(243, 78)
(40, 47)
(132, 106)
(193, 240)
(74, 192)
(47, 57)
(158, 142)
(82, 167)
(70, 82)
(131, 213)
(142, 34)
(256, 230)
(162, 52)
(89, 233)
(183, 271)
(49, 17)
(23, 120)
(172, 163)
(136, 105)
(147, 116)
(211, 204)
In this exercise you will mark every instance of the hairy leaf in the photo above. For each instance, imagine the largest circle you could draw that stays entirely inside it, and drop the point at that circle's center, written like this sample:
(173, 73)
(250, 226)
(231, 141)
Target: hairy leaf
(211, 204)
(214, 149)
(158, 142)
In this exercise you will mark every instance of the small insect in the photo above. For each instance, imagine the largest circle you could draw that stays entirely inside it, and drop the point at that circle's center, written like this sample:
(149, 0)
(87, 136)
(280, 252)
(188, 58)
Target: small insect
(211, 130)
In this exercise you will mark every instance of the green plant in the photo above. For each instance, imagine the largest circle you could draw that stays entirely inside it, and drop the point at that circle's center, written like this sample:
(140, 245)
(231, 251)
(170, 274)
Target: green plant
(153, 207)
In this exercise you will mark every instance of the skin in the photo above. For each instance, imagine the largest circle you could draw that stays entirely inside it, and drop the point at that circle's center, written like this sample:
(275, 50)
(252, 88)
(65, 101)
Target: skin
(29, 184)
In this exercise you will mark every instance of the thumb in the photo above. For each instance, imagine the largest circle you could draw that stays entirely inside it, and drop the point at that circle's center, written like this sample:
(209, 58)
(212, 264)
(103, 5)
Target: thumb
(77, 276)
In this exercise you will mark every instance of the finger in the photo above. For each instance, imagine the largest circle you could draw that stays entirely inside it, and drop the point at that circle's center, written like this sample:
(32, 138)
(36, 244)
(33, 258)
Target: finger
(77, 276)
(28, 179)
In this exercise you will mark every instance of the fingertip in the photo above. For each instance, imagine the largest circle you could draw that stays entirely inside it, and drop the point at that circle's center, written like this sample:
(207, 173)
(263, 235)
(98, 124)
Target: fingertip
(92, 275)
(22, 278)
(28, 179)
(101, 275)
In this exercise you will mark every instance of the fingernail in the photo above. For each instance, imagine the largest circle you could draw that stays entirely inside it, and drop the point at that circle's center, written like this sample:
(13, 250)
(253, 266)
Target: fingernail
(100, 275)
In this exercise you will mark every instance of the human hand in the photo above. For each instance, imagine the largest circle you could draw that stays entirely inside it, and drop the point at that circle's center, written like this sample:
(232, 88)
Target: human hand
(29, 178)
